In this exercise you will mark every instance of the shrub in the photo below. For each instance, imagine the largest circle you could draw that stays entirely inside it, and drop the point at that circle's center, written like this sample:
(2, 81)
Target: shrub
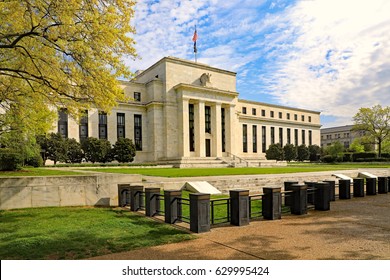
(124, 150)
(361, 156)
(74, 152)
(328, 159)
(347, 157)
(275, 152)
(10, 161)
(97, 150)
(302, 153)
(34, 161)
(56, 148)
(314, 152)
(290, 152)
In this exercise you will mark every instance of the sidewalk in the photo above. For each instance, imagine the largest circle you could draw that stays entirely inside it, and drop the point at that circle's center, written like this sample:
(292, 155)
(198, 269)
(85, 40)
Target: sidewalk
(358, 228)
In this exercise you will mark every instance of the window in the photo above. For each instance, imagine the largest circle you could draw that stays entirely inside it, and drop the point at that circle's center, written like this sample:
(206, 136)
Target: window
(223, 130)
(63, 122)
(83, 127)
(263, 113)
(280, 115)
(303, 137)
(309, 118)
(296, 137)
(207, 119)
(120, 125)
(281, 136)
(102, 125)
(137, 96)
(303, 118)
(310, 137)
(272, 114)
(191, 118)
(244, 110)
(263, 139)
(254, 136)
(295, 117)
(244, 138)
(288, 116)
(288, 135)
(138, 132)
(272, 135)
(254, 111)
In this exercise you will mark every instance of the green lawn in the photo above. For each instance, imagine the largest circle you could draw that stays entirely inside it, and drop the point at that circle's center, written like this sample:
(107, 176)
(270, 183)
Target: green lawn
(37, 172)
(196, 172)
(77, 232)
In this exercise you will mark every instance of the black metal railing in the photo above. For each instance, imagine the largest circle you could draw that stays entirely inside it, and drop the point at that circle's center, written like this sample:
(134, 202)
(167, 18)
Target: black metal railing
(287, 197)
(311, 196)
(160, 199)
(217, 216)
(183, 211)
(255, 206)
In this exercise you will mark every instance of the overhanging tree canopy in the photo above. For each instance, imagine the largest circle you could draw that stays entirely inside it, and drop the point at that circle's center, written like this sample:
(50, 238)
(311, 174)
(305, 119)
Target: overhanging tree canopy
(62, 53)
(375, 123)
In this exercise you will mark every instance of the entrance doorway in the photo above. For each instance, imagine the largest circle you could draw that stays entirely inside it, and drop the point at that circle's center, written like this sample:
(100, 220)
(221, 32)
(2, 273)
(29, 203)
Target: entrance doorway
(208, 148)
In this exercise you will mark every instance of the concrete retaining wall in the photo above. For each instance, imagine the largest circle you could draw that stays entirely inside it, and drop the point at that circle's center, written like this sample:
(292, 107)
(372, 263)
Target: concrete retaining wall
(255, 183)
(92, 190)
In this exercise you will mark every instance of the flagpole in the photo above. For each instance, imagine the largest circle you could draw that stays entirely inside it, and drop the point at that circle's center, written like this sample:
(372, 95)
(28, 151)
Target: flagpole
(194, 39)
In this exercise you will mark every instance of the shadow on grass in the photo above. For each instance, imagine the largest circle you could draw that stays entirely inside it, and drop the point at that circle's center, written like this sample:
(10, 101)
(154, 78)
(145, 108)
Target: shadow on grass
(108, 232)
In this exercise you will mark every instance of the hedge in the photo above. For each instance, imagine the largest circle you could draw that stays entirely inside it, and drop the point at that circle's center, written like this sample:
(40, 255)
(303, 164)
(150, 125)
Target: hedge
(10, 161)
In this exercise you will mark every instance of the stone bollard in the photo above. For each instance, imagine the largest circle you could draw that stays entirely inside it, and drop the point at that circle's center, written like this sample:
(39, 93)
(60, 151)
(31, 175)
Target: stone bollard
(358, 187)
(239, 207)
(123, 195)
(299, 199)
(287, 187)
(136, 201)
(199, 212)
(332, 189)
(322, 198)
(172, 207)
(345, 189)
(152, 203)
(383, 185)
(371, 186)
(272, 203)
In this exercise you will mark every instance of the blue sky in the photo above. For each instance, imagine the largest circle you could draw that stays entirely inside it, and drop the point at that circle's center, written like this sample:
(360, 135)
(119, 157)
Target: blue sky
(331, 56)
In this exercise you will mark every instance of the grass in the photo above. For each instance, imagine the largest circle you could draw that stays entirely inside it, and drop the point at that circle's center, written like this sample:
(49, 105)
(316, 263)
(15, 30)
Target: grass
(196, 172)
(78, 232)
(38, 172)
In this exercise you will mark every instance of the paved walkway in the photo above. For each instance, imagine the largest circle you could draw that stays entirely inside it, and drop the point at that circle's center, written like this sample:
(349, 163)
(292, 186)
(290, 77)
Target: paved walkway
(354, 229)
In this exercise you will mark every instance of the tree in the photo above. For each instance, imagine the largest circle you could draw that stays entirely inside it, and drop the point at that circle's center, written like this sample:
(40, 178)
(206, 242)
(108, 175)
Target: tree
(275, 152)
(335, 150)
(56, 148)
(314, 152)
(375, 123)
(356, 146)
(124, 150)
(97, 150)
(67, 53)
(303, 153)
(73, 151)
(290, 152)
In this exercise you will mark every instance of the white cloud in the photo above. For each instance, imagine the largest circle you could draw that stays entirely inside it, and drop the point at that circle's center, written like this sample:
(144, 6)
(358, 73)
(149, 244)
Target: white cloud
(327, 55)
(340, 60)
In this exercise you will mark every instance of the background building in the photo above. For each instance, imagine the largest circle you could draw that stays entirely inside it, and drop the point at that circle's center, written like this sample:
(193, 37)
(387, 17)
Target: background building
(189, 113)
(342, 134)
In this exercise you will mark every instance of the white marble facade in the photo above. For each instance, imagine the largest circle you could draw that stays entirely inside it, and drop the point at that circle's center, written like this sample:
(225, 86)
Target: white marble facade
(180, 109)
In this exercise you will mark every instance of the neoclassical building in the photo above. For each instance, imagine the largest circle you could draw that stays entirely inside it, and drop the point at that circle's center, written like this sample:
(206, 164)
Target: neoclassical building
(189, 113)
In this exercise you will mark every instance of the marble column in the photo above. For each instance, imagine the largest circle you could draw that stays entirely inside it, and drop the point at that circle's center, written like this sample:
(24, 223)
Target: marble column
(216, 130)
(200, 143)
(186, 129)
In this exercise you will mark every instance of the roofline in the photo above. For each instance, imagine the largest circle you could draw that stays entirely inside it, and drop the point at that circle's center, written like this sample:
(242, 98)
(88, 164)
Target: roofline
(338, 127)
(278, 106)
(188, 63)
